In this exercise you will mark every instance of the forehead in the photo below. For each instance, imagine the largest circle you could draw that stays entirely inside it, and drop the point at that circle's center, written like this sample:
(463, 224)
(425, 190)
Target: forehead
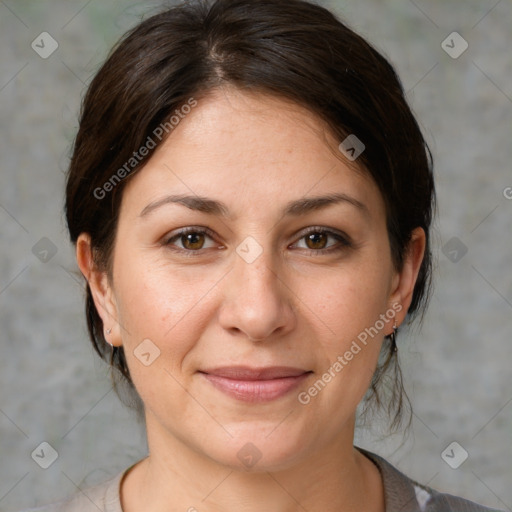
(250, 151)
(262, 129)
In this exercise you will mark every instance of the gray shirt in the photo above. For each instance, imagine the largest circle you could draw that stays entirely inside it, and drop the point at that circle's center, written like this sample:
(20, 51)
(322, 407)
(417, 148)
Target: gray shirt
(401, 495)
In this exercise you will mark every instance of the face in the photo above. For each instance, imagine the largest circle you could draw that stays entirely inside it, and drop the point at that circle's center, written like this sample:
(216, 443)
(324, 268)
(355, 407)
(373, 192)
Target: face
(251, 311)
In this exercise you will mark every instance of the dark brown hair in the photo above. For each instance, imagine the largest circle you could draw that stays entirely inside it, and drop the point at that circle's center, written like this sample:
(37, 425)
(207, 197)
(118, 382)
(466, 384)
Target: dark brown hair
(290, 49)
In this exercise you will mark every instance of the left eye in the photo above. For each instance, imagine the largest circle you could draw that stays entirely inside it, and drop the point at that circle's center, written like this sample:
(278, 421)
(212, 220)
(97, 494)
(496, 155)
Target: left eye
(317, 240)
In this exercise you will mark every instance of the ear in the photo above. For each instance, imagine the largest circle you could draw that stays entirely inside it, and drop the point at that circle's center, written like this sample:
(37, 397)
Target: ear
(403, 282)
(101, 289)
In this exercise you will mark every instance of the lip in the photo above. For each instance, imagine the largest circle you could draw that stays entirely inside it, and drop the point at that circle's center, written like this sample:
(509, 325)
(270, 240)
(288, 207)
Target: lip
(255, 384)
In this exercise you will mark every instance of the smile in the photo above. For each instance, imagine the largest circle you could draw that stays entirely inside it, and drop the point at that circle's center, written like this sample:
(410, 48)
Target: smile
(256, 385)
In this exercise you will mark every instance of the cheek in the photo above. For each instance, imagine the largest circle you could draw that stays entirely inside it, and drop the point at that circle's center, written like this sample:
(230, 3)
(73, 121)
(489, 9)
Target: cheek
(162, 315)
(349, 302)
(159, 304)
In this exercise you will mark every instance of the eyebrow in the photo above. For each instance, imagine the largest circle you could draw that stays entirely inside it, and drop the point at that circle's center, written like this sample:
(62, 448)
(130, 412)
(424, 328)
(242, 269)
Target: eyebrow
(293, 208)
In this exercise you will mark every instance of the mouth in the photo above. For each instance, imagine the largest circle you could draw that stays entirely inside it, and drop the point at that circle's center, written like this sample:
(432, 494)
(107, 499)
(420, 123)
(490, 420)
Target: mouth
(255, 384)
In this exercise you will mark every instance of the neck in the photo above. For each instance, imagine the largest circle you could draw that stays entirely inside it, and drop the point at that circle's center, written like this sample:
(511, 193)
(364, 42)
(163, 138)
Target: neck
(178, 477)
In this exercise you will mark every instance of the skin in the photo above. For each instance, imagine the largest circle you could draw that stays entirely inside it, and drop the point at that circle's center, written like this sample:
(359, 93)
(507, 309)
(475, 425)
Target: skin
(288, 307)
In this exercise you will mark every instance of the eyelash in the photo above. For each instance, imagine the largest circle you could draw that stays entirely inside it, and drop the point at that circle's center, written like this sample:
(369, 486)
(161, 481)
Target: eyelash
(344, 241)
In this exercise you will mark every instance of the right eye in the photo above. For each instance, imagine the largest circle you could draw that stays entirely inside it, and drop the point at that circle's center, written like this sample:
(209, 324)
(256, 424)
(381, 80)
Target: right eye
(189, 240)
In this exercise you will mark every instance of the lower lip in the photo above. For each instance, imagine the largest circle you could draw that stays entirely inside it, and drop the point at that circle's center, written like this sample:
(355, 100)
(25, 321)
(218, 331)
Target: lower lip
(256, 390)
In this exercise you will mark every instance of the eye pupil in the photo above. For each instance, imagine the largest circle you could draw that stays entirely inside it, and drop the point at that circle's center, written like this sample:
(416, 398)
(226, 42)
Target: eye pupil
(318, 240)
(193, 240)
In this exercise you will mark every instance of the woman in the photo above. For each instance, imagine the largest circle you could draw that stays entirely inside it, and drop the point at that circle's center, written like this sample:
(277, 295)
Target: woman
(250, 198)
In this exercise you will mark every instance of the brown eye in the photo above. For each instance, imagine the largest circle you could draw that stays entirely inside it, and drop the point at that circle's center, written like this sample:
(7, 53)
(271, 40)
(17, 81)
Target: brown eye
(316, 240)
(192, 241)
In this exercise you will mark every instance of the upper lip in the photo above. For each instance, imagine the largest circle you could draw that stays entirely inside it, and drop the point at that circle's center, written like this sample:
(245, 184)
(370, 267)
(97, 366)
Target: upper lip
(248, 373)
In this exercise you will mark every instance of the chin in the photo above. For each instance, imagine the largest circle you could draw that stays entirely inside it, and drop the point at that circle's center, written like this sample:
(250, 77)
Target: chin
(253, 449)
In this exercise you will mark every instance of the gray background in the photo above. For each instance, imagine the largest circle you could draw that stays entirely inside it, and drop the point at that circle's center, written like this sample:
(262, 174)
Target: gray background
(457, 368)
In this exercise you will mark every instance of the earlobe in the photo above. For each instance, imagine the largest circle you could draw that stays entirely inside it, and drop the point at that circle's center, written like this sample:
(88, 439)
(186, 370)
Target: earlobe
(405, 280)
(101, 289)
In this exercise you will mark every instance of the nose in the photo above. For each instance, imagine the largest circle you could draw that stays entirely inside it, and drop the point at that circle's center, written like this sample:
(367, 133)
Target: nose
(257, 303)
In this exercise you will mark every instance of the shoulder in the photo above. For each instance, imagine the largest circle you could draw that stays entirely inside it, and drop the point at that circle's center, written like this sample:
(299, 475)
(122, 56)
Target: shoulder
(402, 493)
(103, 497)
(441, 502)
